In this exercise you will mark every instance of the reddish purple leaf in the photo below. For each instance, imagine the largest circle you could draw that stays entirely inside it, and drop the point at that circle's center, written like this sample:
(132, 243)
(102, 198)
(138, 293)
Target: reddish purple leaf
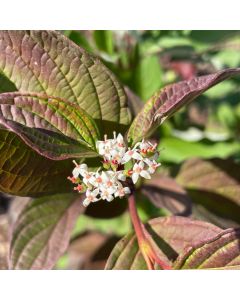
(167, 101)
(89, 251)
(220, 251)
(43, 230)
(169, 237)
(134, 102)
(164, 192)
(47, 62)
(213, 184)
(54, 127)
(25, 172)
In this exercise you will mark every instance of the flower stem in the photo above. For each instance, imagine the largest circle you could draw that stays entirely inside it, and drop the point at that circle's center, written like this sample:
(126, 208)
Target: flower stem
(145, 247)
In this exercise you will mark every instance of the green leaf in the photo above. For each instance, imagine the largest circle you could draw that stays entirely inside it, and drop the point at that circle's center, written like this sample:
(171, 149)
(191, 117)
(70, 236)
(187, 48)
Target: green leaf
(147, 76)
(227, 57)
(221, 251)
(104, 40)
(176, 150)
(48, 62)
(79, 37)
(24, 172)
(53, 127)
(227, 116)
(214, 184)
(42, 231)
(167, 101)
(212, 36)
(6, 85)
(169, 237)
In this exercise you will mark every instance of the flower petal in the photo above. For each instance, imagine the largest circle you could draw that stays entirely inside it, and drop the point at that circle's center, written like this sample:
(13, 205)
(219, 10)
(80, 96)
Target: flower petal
(137, 156)
(121, 176)
(135, 177)
(75, 172)
(109, 198)
(126, 158)
(86, 202)
(145, 174)
(95, 192)
(127, 190)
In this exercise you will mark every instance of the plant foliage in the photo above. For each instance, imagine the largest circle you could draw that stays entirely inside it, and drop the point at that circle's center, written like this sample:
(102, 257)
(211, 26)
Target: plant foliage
(57, 100)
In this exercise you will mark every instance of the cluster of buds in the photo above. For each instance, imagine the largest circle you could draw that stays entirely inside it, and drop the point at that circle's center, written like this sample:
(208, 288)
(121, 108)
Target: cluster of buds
(119, 163)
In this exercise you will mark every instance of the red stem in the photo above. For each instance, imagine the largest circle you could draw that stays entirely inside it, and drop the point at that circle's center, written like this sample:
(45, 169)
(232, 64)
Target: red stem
(137, 224)
(147, 251)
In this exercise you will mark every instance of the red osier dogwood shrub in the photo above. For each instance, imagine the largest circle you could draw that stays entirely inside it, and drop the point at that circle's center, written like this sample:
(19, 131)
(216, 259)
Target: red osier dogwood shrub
(57, 103)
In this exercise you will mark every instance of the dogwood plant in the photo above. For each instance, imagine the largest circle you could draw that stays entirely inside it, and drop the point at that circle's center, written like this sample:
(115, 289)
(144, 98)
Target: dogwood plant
(119, 165)
(55, 101)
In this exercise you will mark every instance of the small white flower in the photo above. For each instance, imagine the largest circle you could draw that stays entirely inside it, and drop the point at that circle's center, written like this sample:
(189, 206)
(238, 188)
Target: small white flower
(107, 193)
(100, 145)
(95, 179)
(109, 179)
(146, 147)
(153, 165)
(138, 170)
(131, 153)
(104, 149)
(79, 169)
(112, 149)
(107, 175)
(116, 155)
(120, 141)
(105, 146)
(108, 184)
(91, 196)
(122, 191)
(88, 177)
(121, 176)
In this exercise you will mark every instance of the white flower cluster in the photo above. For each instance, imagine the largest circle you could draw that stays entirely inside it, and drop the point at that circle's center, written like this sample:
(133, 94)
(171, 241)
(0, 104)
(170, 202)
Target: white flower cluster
(119, 164)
